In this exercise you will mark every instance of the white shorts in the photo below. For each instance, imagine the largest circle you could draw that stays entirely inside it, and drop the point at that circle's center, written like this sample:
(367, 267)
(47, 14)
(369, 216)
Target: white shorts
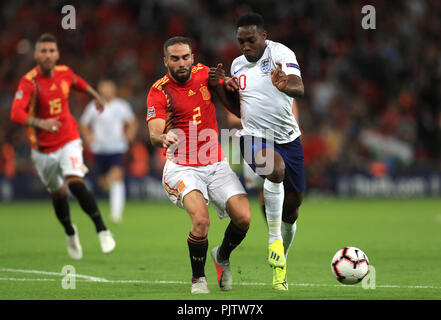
(217, 183)
(252, 179)
(53, 167)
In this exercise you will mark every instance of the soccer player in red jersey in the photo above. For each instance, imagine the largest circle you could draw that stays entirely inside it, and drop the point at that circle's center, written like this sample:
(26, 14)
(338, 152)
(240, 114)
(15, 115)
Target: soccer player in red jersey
(41, 104)
(181, 117)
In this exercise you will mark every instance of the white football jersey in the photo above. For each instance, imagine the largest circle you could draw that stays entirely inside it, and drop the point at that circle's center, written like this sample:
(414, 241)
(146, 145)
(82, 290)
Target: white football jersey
(265, 111)
(108, 127)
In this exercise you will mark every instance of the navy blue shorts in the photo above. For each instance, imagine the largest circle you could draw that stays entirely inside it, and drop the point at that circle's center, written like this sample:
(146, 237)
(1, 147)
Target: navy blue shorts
(291, 153)
(104, 161)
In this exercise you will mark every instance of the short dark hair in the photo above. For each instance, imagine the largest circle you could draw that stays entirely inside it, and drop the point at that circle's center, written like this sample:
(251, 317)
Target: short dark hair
(46, 37)
(249, 19)
(176, 40)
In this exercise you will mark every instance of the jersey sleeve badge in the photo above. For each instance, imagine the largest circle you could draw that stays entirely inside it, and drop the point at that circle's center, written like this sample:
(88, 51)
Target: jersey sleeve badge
(292, 65)
(19, 94)
(151, 112)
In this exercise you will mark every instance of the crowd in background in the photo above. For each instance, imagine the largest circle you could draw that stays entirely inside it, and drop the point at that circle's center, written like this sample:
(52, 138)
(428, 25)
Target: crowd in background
(372, 97)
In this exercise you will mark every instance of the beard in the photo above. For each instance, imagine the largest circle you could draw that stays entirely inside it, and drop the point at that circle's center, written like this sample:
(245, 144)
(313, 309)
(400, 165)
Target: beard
(181, 78)
(46, 66)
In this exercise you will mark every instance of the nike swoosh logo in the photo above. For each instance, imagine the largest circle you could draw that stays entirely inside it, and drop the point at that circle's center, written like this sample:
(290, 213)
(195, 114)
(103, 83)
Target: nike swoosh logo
(235, 72)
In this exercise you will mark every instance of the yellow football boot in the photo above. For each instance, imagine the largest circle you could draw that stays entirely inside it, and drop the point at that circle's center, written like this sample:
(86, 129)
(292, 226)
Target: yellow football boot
(276, 255)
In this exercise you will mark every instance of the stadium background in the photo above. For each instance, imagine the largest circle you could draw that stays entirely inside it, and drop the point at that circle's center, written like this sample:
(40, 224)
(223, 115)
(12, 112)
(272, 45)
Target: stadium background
(370, 118)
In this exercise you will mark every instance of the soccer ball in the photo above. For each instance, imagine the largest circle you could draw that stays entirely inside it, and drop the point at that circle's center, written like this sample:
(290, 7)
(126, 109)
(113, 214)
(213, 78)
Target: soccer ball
(350, 265)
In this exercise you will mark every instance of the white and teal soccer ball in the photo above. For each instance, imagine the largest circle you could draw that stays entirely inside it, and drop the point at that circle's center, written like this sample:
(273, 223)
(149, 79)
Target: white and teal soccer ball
(350, 265)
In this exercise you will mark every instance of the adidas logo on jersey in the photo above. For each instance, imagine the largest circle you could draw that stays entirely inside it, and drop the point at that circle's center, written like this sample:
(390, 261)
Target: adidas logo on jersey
(53, 87)
(190, 93)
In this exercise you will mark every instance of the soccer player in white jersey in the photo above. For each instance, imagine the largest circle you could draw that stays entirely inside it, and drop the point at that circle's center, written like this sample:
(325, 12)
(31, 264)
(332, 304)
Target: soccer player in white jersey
(267, 78)
(108, 134)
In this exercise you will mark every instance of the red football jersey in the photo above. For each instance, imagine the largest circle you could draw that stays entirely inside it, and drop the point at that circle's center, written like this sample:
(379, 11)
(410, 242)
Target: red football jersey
(189, 111)
(47, 97)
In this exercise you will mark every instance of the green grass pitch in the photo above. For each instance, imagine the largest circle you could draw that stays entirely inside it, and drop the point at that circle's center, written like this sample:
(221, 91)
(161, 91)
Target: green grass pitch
(401, 237)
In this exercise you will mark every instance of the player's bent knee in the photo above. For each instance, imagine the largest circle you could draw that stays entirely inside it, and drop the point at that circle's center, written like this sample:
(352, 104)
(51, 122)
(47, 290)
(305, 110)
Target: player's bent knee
(200, 219)
(116, 173)
(59, 194)
(278, 173)
(73, 179)
(238, 209)
(242, 219)
(200, 226)
(290, 216)
(243, 222)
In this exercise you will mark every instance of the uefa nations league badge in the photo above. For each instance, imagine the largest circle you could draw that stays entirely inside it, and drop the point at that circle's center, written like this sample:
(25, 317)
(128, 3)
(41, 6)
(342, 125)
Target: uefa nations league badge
(265, 65)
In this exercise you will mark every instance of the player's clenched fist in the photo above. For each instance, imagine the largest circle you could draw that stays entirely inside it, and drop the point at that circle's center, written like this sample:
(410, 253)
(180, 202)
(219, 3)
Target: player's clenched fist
(215, 74)
(230, 84)
(279, 77)
(169, 139)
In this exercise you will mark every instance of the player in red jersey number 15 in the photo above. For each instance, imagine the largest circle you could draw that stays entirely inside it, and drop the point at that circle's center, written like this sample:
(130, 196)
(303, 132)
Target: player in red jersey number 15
(41, 104)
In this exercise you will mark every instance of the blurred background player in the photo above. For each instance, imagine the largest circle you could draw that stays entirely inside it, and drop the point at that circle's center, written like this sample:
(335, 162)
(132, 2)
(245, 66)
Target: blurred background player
(108, 134)
(41, 104)
(179, 108)
(267, 78)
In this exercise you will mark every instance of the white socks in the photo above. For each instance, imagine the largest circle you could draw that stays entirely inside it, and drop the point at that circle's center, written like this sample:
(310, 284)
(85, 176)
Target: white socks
(273, 194)
(117, 196)
(288, 233)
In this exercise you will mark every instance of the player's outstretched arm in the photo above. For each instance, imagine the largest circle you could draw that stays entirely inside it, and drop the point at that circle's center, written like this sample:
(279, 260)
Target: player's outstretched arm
(80, 84)
(97, 99)
(291, 84)
(157, 136)
(226, 89)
